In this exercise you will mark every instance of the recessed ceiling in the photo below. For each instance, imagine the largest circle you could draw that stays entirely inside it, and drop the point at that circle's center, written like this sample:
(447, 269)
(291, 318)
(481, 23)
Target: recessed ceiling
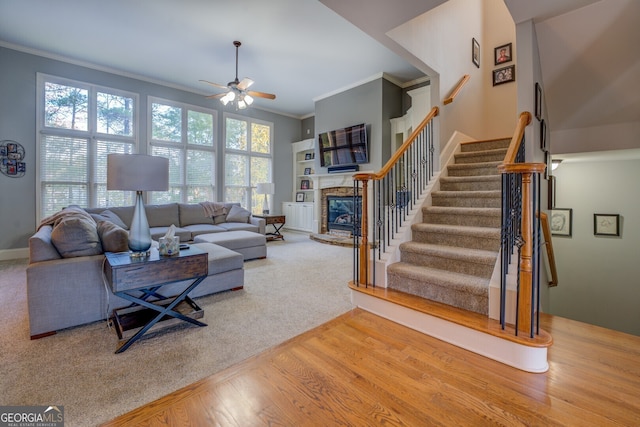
(297, 49)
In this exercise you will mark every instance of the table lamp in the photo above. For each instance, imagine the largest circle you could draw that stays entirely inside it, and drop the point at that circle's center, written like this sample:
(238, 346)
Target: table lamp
(138, 172)
(265, 188)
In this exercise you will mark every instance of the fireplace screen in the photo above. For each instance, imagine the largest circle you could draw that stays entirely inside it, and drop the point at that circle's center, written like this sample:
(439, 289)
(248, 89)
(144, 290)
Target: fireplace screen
(341, 212)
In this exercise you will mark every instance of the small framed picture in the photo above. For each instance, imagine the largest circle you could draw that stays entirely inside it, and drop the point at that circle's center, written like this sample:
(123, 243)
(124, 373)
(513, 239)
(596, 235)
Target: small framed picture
(504, 75)
(606, 224)
(299, 197)
(304, 184)
(543, 136)
(551, 193)
(502, 54)
(475, 52)
(307, 171)
(308, 156)
(561, 222)
(538, 106)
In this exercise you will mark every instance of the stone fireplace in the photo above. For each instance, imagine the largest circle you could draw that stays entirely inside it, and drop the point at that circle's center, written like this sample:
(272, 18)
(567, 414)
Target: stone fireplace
(336, 207)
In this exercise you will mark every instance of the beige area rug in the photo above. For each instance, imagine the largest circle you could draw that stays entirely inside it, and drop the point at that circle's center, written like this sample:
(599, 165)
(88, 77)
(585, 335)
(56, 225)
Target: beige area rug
(301, 284)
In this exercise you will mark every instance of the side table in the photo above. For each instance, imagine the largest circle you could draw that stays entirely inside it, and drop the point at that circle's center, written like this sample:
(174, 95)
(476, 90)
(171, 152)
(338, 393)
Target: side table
(139, 280)
(277, 221)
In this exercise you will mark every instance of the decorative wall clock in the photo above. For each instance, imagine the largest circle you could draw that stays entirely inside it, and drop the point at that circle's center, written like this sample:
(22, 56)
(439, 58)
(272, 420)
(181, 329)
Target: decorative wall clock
(12, 159)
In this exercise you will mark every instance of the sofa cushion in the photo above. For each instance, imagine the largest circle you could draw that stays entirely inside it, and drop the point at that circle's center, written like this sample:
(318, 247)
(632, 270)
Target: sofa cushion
(112, 237)
(234, 226)
(107, 215)
(40, 246)
(163, 215)
(76, 236)
(220, 258)
(191, 214)
(197, 229)
(183, 233)
(238, 214)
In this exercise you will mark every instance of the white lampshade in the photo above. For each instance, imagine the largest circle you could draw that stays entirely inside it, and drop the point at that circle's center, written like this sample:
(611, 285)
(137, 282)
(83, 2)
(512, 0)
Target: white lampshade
(137, 172)
(265, 188)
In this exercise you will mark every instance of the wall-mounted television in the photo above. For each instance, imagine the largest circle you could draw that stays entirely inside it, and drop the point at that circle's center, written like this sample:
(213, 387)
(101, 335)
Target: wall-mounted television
(347, 146)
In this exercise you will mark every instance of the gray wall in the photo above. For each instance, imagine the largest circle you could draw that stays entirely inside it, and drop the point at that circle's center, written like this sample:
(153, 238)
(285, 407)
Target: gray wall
(598, 275)
(18, 117)
(373, 103)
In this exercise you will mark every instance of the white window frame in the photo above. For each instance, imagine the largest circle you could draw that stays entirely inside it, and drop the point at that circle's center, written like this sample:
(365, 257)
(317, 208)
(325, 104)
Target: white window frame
(91, 134)
(250, 196)
(184, 145)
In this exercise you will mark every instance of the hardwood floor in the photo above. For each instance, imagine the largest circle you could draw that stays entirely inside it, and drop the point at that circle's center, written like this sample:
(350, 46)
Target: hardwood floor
(361, 370)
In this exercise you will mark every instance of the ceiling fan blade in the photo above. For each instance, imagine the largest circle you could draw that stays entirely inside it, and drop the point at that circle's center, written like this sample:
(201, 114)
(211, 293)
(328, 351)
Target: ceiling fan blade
(261, 94)
(214, 84)
(245, 83)
(219, 95)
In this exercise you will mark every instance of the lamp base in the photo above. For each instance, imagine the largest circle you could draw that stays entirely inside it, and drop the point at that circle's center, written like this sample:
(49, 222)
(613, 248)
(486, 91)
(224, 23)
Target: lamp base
(140, 254)
(139, 232)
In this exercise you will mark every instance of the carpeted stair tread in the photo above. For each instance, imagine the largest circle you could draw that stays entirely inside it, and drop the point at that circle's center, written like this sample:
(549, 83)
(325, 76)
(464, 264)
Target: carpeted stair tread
(454, 210)
(489, 194)
(452, 252)
(456, 229)
(471, 183)
(488, 144)
(467, 216)
(446, 279)
(471, 169)
(487, 199)
(466, 157)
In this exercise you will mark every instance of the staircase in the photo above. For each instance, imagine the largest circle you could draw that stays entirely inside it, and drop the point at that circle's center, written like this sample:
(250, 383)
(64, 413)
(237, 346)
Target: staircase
(452, 254)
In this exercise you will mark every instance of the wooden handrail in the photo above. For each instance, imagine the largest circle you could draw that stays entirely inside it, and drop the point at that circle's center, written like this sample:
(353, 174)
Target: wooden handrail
(516, 140)
(456, 90)
(398, 154)
(546, 231)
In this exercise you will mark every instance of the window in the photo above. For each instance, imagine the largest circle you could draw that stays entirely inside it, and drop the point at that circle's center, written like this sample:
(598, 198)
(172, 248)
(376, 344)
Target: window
(185, 135)
(247, 160)
(78, 125)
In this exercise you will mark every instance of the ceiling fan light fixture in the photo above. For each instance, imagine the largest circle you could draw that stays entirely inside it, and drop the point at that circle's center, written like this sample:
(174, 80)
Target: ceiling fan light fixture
(248, 99)
(241, 104)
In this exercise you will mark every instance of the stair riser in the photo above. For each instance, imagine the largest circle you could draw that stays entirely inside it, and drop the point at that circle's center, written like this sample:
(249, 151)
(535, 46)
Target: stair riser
(471, 186)
(473, 170)
(480, 157)
(458, 240)
(466, 202)
(468, 220)
(448, 264)
(445, 295)
(486, 145)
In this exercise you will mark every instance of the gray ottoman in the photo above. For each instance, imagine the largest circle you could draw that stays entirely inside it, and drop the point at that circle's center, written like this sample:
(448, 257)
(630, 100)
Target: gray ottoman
(226, 270)
(251, 245)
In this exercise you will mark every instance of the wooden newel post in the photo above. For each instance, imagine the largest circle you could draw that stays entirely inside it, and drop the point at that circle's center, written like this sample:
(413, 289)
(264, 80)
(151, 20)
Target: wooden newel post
(364, 232)
(526, 271)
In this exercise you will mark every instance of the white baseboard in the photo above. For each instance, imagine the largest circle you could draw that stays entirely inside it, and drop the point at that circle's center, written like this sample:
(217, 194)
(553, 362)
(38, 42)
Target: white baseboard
(9, 254)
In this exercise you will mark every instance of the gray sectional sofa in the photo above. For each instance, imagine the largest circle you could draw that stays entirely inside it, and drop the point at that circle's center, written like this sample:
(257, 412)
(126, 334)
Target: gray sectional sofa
(65, 284)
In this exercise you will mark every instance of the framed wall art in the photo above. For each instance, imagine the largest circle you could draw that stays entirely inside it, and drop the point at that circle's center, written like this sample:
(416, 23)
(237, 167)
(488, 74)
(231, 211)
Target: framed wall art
(502, 54)
(561, 222)
(475, 52)
(299, 197)
(504, 75)
(538, 105)
(606, 224)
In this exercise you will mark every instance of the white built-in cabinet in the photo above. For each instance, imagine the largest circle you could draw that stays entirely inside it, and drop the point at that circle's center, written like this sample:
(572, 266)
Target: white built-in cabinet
(299, 216)
(300, 211)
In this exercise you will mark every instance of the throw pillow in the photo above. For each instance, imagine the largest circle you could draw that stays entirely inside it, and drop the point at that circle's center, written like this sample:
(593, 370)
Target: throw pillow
(109, 216)
(75, 236)
(113, 237)
(238, 214)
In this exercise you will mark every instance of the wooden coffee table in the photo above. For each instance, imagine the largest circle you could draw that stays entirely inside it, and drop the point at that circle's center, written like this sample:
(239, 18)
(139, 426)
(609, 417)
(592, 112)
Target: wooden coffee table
(139, 280)
(277, 221)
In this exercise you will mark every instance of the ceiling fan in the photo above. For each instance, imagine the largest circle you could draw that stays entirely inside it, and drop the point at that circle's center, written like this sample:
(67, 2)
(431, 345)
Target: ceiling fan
(237, 90)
